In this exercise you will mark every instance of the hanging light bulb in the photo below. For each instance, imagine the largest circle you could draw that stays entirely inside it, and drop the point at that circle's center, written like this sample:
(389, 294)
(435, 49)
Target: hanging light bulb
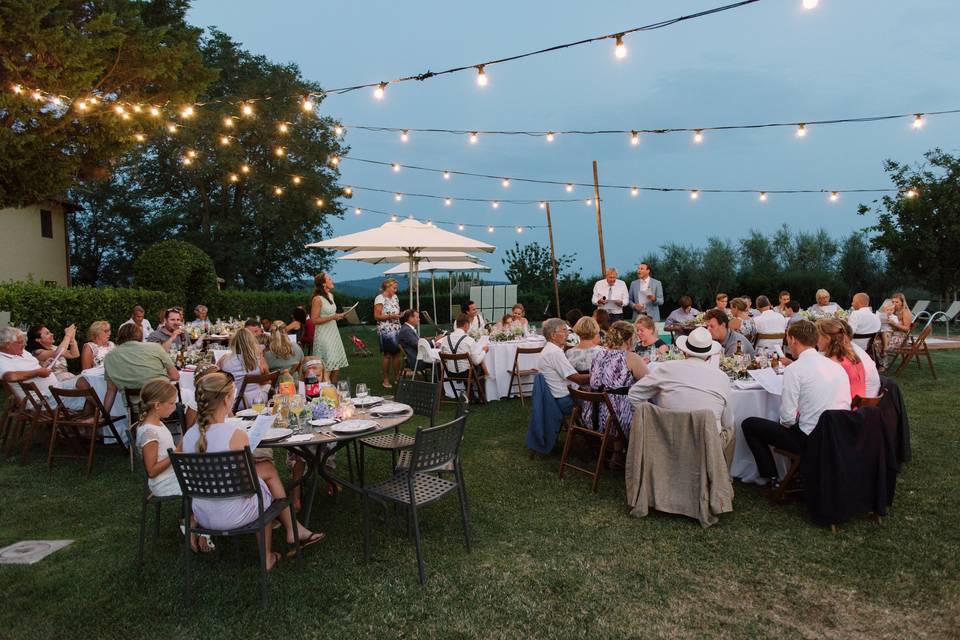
(191, 153)
(911, 193)
(917, 120)
(634, 137)
(834, 196)
(136, 108)
(17, 89)
(801, 130)
(234, 177)
(82, 105)
(228, 122)
(763, 196)
(155, 112)
(139, 137)
(334, 160)
(245, 168)
(378, 92)
(460, 227)
(172, 128)
(118, 109)
(543, 205)
(396, 167)
(279, 152)
(474, 136)
(481, 76)
(39, 97)
(318, 202)
(398, 197)
(393, 218)
(56, 101)
(446, 175)
(125, 116)
(490, 229)
(620, 49)
(519, 229)
(695, 194)
(338, 131)
(278, 191)
(93, 99)
(224, 140)
(698, 136)
(448, 201)
(283, 128)
(297, 179)
(569, 187)
(246, 110)
(549, 136)
(634, 191)
(358, 211)
(506, 183)
(307, 104)
(404, 135)
(495, 204)
(429, 222)
(810, 4)
(186, 112)
(186, 160)
(348, 191)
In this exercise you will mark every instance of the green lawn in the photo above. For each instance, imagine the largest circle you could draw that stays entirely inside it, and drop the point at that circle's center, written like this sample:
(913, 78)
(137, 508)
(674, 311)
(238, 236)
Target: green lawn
(550, 560)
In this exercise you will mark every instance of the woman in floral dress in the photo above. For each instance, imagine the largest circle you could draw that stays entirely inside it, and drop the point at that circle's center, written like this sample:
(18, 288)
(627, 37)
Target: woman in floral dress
(326, 338)
(617, 366)
(900, 321)
(386, 311)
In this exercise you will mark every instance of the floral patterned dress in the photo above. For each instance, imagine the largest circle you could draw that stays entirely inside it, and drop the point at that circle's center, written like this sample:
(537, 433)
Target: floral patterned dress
(387, 330)
(610, 371)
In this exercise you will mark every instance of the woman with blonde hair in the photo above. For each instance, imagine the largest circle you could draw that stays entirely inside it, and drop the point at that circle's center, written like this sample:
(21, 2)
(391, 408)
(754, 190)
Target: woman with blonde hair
(582, 354)
(281, 353)
(896, 323)
(215, 396)
(520, 316)
(386, 311)
(824, 307)
(245, 359)
(834, 343)
(740, 319)
(98, 347)
(327, 342)
(648, 340)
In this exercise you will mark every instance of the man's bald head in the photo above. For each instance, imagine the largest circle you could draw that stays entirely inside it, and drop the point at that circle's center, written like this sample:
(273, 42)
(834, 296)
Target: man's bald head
(861, 300)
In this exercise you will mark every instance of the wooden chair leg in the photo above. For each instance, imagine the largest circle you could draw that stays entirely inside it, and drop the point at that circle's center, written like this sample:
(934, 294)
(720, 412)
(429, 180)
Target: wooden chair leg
(599, 468)
(53, 439)
(930, 361)
(833, 529)
(93, 443)
(566, 451)
(28, 439)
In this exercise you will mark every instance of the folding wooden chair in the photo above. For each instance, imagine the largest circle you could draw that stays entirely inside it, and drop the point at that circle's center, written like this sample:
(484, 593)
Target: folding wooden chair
(70, 424)
(40, 412)
(15, 415)
(473, 383)
(250, 380)
(915, 348)
(611, 430)
(788, 484)
(871, 339)
(867, 401)
(517, 374)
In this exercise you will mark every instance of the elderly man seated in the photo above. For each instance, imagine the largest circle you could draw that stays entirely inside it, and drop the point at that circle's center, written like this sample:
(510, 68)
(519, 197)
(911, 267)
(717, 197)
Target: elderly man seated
(691, 384)
(862, 320)
(17, 365)
(557, 371)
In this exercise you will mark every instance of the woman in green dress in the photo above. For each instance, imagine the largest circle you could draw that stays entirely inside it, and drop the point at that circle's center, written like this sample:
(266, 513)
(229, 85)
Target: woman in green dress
(326, 338)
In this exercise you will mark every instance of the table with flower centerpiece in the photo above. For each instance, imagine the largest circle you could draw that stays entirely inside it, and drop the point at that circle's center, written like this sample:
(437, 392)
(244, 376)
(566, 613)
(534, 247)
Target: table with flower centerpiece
(499, 360)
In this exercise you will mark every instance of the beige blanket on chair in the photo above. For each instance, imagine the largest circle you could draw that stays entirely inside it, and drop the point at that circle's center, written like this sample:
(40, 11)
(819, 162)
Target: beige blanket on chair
(676, 464)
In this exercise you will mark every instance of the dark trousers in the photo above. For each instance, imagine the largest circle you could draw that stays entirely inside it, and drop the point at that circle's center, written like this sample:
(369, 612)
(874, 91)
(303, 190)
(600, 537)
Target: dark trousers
(615, 317)
(761, 434)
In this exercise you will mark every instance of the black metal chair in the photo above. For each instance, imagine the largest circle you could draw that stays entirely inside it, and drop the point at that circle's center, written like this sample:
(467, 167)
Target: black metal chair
(424, 399)
(148, 498)
(434, 448)
(226, 475)
(403, 460)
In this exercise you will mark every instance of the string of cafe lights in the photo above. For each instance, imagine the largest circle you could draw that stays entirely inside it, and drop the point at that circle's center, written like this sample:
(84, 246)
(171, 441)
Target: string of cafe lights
(461, 226)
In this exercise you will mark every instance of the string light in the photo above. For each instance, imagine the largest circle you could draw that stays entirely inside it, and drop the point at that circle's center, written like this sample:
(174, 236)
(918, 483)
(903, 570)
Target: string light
(393, 218)
(56, 101)
(398, 197)
(278, 191)
(186, 160)
(136, 108)
(139, 137)
(379, 91)
(588, 201)
(247, 110)
(234, 177)
(155, 112)
(119, 110)
(634, 137)
(296, 179)
(307, 104)
(283, 128)
(569, 187)
(698, 136)
(348, 191)
(506, 183)
(446, 175)
(917, 120)
(620, 49)
(810, 4)
(404, 135)
(334, 160)
(224, 140)
(279, 152)
(82, 105)
(519, 229)
(549, 136)
(543, 205)
(191, 153)
(245, 168)
(338, 131)
(319, 202)
(172, 128)
(495, 204)
(474, 136)
(801, 130)
(490, 229)
(17, 89)
(834, 196)
(911, 193)
(358, 211)
(228, 122)
(460, 227)
(396, 167)
(187, 112)
(763, 196)
(695, 194)
(634, 191)
(448, 201)
(481, 76)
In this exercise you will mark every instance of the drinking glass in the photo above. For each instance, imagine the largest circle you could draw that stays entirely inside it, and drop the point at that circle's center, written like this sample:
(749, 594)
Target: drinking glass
(343, 388)
(296, 408)
(259, 402)
(362, 391)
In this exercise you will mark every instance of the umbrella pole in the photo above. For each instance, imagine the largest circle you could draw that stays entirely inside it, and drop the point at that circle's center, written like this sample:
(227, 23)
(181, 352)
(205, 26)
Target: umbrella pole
(433, 290)
(410, 279)
(450, 282)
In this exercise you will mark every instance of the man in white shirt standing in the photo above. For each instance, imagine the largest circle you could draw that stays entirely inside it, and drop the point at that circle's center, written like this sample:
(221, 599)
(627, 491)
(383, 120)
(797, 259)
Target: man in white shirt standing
(138, 318)
(611, 295)
(811, 385)
(862, 319)
(646, 294)
(771, 326)
(557, 371)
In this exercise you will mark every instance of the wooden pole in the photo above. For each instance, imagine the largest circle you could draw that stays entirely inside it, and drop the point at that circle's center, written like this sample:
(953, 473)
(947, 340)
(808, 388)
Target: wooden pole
(553, 261)
(596, 200)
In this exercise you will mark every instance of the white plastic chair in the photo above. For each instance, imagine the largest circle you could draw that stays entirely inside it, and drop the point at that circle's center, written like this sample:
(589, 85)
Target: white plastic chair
(946, 317)
(920, 309)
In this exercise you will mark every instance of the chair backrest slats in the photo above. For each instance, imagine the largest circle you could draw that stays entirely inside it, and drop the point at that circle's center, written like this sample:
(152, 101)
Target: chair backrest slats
(435, 447)
(423, 397)
(216, 476)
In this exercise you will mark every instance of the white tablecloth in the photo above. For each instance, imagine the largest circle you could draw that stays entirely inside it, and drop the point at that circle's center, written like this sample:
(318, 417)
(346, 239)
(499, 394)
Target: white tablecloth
(751, 403)
(499, 363)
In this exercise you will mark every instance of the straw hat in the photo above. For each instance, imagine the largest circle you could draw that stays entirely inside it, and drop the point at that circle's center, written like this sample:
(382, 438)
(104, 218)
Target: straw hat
(699, 344)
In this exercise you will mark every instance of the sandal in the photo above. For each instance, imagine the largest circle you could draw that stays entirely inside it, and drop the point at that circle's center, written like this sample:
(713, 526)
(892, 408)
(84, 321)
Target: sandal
(314, 538)
(386, 385)
(206, 546)
(275, 556)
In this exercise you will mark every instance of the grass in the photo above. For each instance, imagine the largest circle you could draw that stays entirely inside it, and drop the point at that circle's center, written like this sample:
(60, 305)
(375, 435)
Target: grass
(550, 559)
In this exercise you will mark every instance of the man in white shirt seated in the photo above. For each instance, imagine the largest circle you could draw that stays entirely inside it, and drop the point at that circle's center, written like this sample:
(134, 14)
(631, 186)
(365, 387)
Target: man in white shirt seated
(477, 321)
(784, 302)
(611, 295)
(862, 319)
(690, 384)
(17, 365)
(770, 325)
(460, 342)
(202, 321)
(138, 318)
(557, 371)
(684, 315)
(811, 385)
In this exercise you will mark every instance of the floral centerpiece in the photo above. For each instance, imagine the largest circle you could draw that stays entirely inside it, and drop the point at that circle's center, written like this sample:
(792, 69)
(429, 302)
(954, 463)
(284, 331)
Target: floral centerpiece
(476, 334)
(195, 357)
(508, 334)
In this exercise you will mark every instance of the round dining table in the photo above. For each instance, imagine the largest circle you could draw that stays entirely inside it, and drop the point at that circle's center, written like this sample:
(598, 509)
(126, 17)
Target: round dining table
(325, 442)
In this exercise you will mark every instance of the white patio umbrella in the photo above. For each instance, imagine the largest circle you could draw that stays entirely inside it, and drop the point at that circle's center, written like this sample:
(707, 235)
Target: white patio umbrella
(378, 257)
(408, 236)
(433, 267)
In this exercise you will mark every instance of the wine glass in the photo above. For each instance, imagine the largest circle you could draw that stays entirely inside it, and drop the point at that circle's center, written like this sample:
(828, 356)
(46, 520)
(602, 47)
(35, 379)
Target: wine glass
(297, 408)
(362, 391)
(259, 402)
(343, 388)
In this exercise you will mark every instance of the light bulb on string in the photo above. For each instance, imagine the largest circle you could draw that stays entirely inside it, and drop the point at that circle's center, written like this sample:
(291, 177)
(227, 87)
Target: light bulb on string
(620, 49)
(460, 227)
(634, 137)
(186, 160)
(224, 140)
(429, 222)
(810, 4)
(283, 128)
(334, 160)
(155, 112)
(93, 99)
(910, 193)
(519, 229)
(297, 179)
(834, 196)
(117, 109)
(398, 197)
(698, 136)
(763, 196)
(446, 175)
(191, 153)
(695, 194)
(495, 204)
(245, 168)
(588, 201)
(278, 191)
(136, 108)
(348, 191)
(490, 229)
(234, 177)
(569, 187)
(404, 135)
(318, 202)
(917, 120)
(448, 201)
(279, 152)
(139, 137)
(634, 191)
(172, 128)
(396, 167)
(549, 136)
(37, 96)
(338, 131)
(82, 105)
(543, 205)
(125, 116)
(17, 89)
(228, 122)
(474, 136)
(358, 211)
(379, 91)
(187, 112)
(481, 76)
(506, 183)
(246, 110)
(393, 218)
(801, 130)
(307, 104)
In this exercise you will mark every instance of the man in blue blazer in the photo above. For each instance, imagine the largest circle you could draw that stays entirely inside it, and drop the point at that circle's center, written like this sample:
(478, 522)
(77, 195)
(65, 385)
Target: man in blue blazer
(646, 294)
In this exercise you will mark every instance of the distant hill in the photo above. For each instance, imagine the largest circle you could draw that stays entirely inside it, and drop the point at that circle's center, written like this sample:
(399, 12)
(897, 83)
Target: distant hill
(370, 287)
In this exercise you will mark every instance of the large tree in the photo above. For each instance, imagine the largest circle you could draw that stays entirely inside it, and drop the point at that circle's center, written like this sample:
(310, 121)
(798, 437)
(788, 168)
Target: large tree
(529, 266)
(120, 52)
(919, 227)
(193, 187)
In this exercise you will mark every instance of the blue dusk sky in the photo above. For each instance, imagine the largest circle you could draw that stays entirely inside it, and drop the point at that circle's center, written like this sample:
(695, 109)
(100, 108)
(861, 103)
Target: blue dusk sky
(771, 61)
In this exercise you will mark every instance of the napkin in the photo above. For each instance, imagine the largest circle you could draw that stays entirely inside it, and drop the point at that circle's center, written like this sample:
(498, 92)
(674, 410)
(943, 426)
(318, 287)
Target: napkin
(300, 437)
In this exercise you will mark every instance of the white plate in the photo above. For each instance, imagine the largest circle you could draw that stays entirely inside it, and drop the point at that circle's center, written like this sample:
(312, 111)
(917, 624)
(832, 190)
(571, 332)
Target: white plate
(355, 426)
(367, 402)
(323, 422)
(275, 434)
(246, 413)
(391, 408)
